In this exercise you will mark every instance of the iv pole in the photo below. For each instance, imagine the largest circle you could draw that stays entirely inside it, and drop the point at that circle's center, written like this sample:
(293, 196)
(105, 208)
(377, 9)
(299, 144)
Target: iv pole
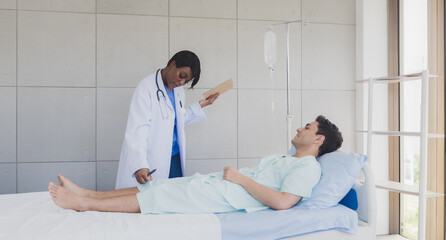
(289, 118)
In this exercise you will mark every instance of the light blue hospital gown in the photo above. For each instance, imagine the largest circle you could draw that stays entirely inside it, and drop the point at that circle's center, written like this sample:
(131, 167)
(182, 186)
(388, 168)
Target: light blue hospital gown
(211, 194)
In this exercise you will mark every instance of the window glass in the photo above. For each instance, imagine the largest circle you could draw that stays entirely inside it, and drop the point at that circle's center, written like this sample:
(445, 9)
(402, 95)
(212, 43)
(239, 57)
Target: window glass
(413, 59)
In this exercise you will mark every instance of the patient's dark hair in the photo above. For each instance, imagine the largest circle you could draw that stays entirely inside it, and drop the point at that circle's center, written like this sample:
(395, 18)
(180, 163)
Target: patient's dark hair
(187, 58)
(333, 137)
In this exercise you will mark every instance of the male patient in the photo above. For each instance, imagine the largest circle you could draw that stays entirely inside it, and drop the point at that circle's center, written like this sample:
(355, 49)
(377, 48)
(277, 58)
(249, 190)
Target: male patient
(278, 182)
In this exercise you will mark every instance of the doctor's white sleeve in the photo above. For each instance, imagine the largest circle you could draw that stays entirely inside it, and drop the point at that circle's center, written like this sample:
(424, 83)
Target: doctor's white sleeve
(134, 149)
(194, 114)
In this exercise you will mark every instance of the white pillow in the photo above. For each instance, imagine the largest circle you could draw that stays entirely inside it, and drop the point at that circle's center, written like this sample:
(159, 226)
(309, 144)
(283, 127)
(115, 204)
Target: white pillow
(339, 173)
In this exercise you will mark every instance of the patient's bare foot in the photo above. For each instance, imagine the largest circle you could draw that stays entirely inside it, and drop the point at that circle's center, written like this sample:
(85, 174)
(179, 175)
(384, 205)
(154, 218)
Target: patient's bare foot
(65, 198)
(71, 186)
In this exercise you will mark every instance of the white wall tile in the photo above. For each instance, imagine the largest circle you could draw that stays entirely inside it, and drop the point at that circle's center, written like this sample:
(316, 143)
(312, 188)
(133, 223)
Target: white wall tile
(215, 43)
(34, 177)
(8, 124)
(215, 137)
(208, 166)
(59, 5)
(8, 4)
(106, 175)
(8, 180)
(252, 70)
(261, 131)
(269, 10)
(328, 53)
(146, 7)
(247, 162)
(329, 11)
(112, 111)
(56, 124)
(8, 48)
(56, 49)
(206, 8)
(336, 106)
(130, 48)
(256, 135)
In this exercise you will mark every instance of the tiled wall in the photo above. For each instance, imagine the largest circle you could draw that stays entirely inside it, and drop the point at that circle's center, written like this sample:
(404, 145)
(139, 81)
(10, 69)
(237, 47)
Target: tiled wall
(68, 69)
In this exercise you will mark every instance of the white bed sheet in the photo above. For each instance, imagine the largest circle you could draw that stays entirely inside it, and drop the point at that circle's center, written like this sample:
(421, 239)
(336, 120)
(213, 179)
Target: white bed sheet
(35, 216)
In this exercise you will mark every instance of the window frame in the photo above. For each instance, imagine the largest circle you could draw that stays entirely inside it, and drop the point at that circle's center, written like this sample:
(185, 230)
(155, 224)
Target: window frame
(436, 168)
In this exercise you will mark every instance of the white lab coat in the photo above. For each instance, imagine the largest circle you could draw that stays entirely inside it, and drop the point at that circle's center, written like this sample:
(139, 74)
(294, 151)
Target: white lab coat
(148, 137)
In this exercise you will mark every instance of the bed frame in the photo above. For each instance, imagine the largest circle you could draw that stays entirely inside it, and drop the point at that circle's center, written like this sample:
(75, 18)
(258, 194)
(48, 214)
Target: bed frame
(366, 213)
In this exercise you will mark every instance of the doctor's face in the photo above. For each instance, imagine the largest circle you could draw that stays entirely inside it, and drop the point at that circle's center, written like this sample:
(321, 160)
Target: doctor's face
(174, 77)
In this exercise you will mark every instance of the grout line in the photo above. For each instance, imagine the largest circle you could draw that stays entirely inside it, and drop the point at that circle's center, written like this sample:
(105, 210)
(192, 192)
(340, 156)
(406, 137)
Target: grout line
(178, 16)
(195, 88)
(53, 11)
(16, 97)
(218, 159)
(96, 95)
(168, 30)
(70, 87)
(237, 75)
(67, 161)
(301, 67)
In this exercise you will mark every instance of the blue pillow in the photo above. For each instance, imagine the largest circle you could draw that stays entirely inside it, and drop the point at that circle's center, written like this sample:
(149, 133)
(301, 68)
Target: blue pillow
(339, 173)
(350, 200)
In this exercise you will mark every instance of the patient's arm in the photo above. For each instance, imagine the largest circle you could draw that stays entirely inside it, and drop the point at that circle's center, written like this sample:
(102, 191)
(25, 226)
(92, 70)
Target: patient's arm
(271, 198)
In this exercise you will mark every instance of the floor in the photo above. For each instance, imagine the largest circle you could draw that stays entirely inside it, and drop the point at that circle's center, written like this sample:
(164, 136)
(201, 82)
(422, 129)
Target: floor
(390, 237)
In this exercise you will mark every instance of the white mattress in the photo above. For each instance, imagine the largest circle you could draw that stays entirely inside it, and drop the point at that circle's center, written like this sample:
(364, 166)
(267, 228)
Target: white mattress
(35, 216)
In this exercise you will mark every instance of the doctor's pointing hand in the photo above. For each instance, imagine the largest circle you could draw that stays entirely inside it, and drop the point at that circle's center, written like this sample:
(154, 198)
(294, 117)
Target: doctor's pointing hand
(155, 136)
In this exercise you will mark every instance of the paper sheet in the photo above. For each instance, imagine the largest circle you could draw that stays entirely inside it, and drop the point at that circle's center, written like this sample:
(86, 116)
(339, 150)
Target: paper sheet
(223, 87)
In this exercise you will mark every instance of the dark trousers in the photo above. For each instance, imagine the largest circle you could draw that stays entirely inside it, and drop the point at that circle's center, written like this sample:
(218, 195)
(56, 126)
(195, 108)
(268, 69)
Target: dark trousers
(175, 166)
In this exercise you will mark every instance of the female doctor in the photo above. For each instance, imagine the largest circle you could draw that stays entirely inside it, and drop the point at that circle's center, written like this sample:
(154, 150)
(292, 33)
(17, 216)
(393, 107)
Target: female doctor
(154, 137)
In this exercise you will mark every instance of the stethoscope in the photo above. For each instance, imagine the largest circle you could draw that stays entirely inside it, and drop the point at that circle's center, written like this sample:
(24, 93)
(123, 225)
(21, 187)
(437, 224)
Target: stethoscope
(164, 113)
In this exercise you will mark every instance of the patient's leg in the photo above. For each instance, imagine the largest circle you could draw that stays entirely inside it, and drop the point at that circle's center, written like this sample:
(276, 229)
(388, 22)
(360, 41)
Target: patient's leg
(69, 200)
(71, 186)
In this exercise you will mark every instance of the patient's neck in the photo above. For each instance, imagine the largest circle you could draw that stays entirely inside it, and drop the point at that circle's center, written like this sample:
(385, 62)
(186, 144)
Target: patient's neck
(302, 153)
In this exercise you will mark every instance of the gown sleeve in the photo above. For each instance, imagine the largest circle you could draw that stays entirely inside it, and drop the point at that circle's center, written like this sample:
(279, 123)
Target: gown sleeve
(301, 180)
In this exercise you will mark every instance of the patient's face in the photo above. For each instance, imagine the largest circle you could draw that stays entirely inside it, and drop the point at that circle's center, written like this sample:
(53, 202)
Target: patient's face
(305, 135)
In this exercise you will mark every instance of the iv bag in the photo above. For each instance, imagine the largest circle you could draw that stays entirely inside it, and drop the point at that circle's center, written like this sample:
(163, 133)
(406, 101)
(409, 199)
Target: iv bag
(270, 48)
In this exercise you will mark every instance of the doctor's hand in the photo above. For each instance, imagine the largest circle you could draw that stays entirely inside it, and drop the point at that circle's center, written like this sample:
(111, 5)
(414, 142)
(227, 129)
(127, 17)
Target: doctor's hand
(209, 100)
(232, 175)
(141, 175)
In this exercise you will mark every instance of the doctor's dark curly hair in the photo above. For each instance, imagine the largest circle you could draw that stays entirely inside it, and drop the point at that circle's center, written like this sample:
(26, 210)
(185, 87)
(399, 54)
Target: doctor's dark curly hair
(187, 58)
(333, 137)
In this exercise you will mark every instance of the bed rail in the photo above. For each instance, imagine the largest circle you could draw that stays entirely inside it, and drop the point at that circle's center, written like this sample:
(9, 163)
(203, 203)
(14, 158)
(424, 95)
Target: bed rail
(367, 197)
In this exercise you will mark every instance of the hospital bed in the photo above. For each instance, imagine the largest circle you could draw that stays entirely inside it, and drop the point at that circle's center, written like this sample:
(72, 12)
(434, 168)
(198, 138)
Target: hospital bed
(35, 216)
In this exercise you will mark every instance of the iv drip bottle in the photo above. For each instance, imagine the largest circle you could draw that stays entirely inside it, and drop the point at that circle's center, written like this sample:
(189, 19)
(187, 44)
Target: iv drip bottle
(270, 49)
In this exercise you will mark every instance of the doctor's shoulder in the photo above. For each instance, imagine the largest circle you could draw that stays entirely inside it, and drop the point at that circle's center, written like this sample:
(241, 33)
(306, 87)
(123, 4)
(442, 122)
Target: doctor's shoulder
(147, 82)
(144, 91)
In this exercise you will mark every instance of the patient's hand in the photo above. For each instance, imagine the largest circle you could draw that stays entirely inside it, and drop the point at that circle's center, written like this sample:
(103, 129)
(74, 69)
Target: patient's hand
(232, 175)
